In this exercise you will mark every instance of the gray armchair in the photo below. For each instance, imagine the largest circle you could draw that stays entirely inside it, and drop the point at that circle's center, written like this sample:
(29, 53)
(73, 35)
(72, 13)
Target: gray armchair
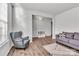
(18, 41)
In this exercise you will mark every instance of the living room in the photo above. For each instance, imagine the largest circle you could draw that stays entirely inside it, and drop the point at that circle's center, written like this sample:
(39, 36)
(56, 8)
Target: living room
(64, 17)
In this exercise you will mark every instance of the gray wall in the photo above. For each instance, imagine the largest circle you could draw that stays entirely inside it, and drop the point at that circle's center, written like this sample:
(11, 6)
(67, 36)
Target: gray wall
(67, 21)
(41, 25)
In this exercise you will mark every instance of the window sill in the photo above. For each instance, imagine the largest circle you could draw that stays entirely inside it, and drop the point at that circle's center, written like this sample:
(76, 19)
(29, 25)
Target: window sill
(2, 43)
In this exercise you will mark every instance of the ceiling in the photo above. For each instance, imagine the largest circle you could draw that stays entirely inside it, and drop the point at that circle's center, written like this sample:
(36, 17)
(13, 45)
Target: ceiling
(50, 8)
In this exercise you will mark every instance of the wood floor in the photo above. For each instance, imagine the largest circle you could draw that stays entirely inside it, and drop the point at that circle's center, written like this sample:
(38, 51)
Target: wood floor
(35, 48)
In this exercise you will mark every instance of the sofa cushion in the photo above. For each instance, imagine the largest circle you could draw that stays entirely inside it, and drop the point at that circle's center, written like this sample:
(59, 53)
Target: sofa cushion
(75, 42)
(76, 36)
(69, 35)
(64, 39)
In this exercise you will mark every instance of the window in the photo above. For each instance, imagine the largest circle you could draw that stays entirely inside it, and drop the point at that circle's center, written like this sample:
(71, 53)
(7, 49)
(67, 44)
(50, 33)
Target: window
(3, 21)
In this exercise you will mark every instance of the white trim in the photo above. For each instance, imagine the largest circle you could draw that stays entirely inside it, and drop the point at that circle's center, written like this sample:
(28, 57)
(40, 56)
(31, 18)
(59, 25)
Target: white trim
(3, 43)
(31, 41)
(53, 30)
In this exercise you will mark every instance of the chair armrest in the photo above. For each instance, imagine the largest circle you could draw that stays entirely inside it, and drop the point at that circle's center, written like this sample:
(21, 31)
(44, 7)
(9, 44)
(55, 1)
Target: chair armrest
(26, 38)
(25, 41)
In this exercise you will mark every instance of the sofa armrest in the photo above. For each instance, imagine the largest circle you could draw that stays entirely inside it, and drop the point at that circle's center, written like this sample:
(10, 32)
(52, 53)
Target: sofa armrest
(57, 36)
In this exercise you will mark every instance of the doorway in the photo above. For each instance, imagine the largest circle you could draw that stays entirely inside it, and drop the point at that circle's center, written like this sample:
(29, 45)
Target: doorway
(41, 26)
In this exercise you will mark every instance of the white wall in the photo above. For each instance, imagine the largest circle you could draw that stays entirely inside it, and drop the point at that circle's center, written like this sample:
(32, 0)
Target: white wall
(41, 25)
(19, 21)
(67, 21)
(22, 21)
(10, 25)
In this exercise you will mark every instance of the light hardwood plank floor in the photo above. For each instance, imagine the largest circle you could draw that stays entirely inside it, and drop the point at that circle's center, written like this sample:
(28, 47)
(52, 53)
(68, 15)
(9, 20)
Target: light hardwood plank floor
(35, 48)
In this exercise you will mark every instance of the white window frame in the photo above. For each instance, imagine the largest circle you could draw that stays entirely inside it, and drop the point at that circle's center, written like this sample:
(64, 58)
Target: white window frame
(3, 22)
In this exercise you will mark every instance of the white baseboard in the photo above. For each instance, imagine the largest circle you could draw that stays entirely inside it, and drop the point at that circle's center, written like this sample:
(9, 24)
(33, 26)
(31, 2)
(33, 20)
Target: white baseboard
(30, 41)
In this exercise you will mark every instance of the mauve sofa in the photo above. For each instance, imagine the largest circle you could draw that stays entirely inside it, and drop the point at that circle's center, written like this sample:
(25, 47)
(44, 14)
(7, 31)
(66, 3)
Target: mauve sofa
(69, 39)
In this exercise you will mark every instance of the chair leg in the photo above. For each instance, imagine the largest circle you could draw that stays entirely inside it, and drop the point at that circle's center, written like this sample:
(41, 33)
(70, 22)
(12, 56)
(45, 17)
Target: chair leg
(24, 49)
(27, 45)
